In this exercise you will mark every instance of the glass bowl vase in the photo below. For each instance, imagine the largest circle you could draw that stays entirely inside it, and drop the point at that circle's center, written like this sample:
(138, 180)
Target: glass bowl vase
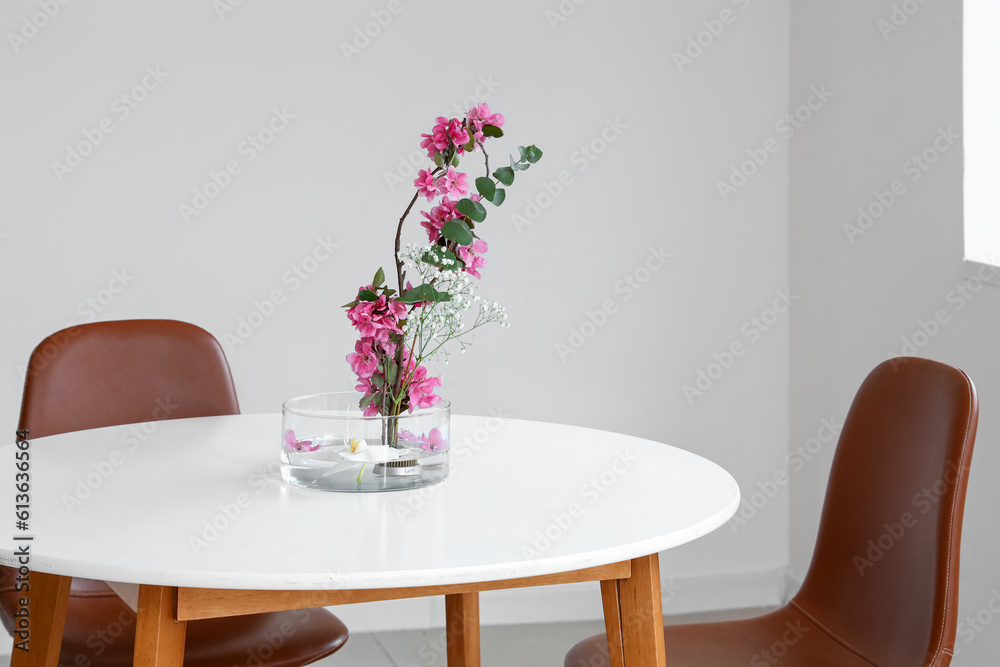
(328, 444)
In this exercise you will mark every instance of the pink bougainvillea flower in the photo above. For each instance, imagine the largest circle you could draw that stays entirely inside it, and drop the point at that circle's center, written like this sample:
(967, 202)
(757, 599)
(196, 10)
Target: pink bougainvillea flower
(430, 442)
(295, 445)
(426, 184)
(446, 133)
(457, 134)
(363, 361)
(480, 115)
(433, 441)
(439, 215)
(472, 255)
(421, 389)
(377, 319)
(437, 141)
(453, 183)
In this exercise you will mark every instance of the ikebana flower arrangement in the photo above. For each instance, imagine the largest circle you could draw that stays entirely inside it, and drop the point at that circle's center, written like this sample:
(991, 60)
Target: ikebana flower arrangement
(401, 328)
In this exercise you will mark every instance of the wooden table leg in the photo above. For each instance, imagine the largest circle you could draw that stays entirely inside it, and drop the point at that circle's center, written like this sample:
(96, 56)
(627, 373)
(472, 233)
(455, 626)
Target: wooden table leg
(159, 637)
(642, 614)
(611, 596)
(462, 614)
(48, 597)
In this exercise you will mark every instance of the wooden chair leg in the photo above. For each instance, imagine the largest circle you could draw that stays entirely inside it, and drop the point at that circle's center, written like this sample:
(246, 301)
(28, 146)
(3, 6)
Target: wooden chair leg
(611, 595)
(159, 637)
(642, 614)
(462, 614)
(48, 597)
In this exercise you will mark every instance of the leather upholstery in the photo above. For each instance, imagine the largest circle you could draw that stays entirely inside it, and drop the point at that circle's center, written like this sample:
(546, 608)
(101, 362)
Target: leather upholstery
(882, 588)
(111, 373)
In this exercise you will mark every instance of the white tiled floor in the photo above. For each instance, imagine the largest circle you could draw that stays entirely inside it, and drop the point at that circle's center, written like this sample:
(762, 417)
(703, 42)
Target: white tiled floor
(537, 645)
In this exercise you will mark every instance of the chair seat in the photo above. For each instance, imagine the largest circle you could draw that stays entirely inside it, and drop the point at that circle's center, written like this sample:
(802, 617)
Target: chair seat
(279, 639)
(785, 637)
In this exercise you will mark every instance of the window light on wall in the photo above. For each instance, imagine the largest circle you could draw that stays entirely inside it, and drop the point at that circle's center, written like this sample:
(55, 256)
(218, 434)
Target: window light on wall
(982, 131)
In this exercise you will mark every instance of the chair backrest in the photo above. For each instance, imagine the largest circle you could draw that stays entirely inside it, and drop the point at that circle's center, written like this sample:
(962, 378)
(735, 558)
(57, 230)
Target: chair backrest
(111, 373)
(884, 576)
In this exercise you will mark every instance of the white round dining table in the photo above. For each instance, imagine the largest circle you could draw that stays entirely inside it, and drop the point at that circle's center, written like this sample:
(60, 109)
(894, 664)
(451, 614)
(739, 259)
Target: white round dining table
(194, 510)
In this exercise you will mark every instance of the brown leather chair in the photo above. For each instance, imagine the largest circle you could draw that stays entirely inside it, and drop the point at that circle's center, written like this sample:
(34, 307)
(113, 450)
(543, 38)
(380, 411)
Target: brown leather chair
(111, 373)
(882, 589)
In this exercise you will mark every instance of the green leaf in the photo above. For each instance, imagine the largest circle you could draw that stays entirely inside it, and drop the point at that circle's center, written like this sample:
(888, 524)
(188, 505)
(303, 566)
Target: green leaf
(422, 293)
(471, 146)
(378, 382)
(499, 196)
(454, 160)
(351, 304)
(379, 278)
(392, 370)
(534, 154)
(492, 131)
(520, 166)
(486, 187)
(367, 295)
(524, 153)
(438, 160)
(457, 230)
(505, 175)
(478, 214)
(441, 257)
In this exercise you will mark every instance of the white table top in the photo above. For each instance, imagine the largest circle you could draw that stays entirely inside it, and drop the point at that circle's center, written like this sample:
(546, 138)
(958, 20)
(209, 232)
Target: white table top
(600, 498)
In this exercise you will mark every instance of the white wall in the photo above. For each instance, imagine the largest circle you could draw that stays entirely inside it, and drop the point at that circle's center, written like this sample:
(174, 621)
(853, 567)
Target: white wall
(861, 299)
(559, 82)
